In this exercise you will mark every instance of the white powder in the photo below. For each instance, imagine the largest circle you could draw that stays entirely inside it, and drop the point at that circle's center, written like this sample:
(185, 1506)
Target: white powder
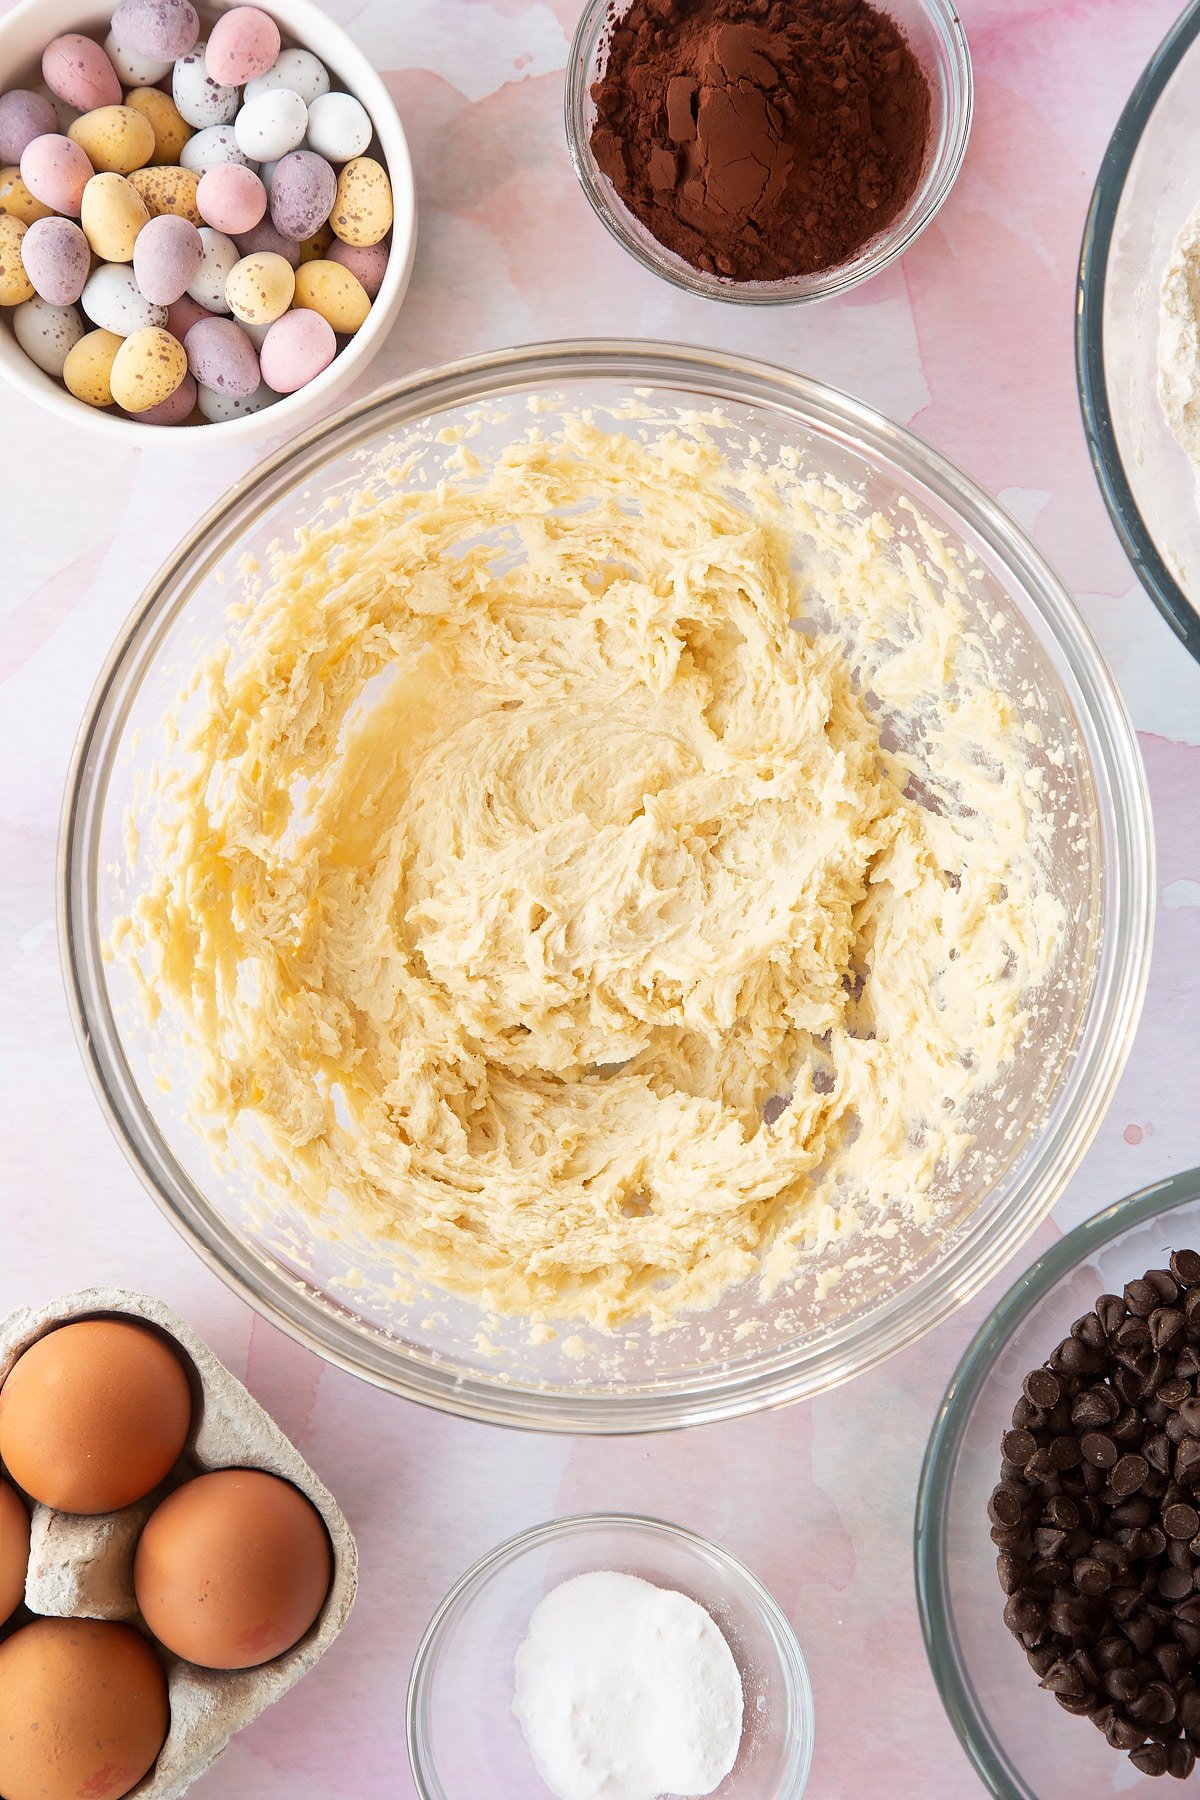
(1179, 339)
(626, 1691)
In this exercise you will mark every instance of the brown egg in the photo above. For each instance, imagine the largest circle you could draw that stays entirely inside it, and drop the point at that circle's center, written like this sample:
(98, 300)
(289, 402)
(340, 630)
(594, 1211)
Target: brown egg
(232, 1569)
(94, 1415)
(83, 1710)
(14, 1551)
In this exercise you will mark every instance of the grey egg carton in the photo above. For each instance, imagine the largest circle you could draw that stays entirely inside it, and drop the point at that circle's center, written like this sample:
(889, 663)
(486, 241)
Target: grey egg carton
(83, 1567)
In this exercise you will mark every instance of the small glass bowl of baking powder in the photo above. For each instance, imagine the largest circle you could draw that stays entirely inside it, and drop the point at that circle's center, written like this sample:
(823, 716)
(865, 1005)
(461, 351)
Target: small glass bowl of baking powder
(935, 35)
(464, 1742)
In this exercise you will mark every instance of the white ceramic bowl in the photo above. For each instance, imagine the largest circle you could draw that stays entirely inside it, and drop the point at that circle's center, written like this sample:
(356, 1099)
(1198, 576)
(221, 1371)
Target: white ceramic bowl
(24, 34)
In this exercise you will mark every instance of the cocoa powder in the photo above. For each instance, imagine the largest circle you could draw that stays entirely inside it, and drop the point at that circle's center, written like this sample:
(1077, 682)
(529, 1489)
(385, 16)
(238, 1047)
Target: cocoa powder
(760, 139)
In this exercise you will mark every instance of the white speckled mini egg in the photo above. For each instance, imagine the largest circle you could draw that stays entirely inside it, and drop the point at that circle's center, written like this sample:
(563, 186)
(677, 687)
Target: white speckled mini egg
(209, 148)
(47, 334)
(135, 71)
(339, 127)
(221, 257)
(267, 128)
(112, 300)
(299, 70)
(219, 407)
(201, 100)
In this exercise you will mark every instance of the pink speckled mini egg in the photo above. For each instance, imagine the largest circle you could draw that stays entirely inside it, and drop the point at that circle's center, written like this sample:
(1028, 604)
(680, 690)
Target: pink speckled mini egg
(160, 29)
(221, 357)
(176, 409)
(244, 43)
(303, 190)
(183, 313)
(57, 260)
(296, 349)
(167, 254)
(231, 198)
(368, 262)
(265, 237)
(23, 116)
(56, 171)
(76, 70)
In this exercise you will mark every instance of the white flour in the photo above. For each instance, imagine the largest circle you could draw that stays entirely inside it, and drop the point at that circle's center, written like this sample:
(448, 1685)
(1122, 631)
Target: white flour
(1179, 340)
(626, 1691)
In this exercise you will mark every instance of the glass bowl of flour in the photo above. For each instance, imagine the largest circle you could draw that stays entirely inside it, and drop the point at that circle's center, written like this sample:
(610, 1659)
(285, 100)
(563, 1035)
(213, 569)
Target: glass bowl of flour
(514, 1689)
(607, 887)
(1138, 329)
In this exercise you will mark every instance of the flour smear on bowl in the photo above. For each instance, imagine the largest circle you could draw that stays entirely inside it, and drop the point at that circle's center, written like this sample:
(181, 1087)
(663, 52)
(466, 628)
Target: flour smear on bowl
(608, 874)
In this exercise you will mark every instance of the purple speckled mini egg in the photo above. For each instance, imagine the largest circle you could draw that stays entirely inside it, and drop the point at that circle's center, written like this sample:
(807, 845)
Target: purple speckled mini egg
(56, 171)
(176, 409)
(183, 313)
(76, 70)
(167, 254)
(296, 349)
(243, 44)
(303, 189)
(231, 198)
(264, 236)
(160, 29)
(24, 116)
(368, 262)
(221, 357)
(57, 260)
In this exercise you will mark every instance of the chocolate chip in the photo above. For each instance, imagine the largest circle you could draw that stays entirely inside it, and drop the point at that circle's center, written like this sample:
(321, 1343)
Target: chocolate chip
(1129, 1475)
(1181, 1521)
(1063, 1512)
(1023, 1614)
(1042, 1388)
(1093, 1577)
(1095, 1406)
(1123, 1735)
(1185, 1267)
(1017, 1447)
(1111, 1311)
(1173, 1584)
(1164, 1285)
(1006, 1505)
(1181, 1760)
(1141, 1298)
(1151, 1759)
(1098, 1449)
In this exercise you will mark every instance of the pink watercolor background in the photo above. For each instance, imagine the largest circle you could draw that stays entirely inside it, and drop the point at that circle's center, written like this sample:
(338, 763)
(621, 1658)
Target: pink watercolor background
(969, 339)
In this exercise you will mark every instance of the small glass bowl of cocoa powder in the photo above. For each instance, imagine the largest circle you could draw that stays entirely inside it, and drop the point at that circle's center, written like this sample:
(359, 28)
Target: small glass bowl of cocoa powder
(768, 152)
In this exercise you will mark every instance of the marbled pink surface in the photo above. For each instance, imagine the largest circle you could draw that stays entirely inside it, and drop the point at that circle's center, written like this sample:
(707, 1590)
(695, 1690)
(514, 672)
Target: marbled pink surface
(969, 339)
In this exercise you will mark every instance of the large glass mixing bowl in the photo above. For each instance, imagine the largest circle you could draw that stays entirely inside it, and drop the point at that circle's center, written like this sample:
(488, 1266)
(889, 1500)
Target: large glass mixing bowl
(339, 1294)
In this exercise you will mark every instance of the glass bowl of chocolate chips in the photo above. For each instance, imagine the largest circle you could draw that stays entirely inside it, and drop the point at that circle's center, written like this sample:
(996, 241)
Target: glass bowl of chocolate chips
(1058, 1518)
(768, 152)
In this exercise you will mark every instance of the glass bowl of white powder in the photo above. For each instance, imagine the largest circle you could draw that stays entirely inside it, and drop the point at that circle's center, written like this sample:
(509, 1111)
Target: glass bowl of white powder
(861, 889)
(1138, 328)
(584, 1714)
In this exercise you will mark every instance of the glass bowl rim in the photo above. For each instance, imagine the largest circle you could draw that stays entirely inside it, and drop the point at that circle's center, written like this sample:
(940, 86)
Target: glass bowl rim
(970, 1723)
(1148, 564)
(890, 243)
(859, 1343)
(462, 1593)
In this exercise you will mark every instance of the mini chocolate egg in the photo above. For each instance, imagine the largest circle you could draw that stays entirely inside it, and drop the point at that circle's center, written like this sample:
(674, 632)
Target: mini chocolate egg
(14, 1551)
(15, 285)
(176, 409)
(221, 357)
(167, 255)
(57, 259)
(47, 334)
(218, 262)
(24, 115)
(83, 1710)
(367, 262)
(171, 130)
(299, 70)
(147, 369)
(112, 215)
(16, 199)
(183, 313)
(264, 236)
(260, 288)
(231, 198)
(362, 210)
(163, 29)
(76, 70)
(95, 1413)
(136, 71)
(217, 408)
(303, 190)
(313, 248)
(87, 367)
(168, 191)
(243, 44)
(327, 288)
(339, 127)
(296, 349)
(112, 299)
(267, 128)
(209, 148)
(232, 1569)
(55, 170)
(115, 139)
(201, 100)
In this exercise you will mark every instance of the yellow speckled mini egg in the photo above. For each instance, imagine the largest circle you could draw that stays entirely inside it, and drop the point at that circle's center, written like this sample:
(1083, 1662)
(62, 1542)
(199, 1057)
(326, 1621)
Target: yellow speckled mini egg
(16, 199)
(147, 369)
(362, 207)
(112, 214)
(15, 285)
(260, 288)
(317, 245)
(339, 296)
(171, 130)
(88, 368)
(115, 139)
(169, 191)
